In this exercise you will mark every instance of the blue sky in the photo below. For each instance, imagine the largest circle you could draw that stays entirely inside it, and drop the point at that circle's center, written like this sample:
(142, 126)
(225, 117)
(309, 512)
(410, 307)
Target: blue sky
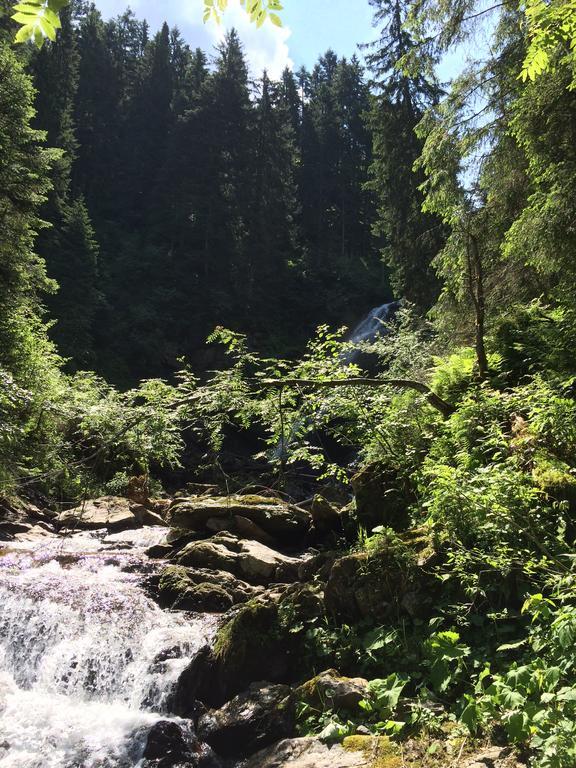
(310, 28)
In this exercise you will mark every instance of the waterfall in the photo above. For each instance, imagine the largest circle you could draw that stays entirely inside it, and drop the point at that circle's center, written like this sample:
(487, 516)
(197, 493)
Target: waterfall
(369, 328)
(87, 659)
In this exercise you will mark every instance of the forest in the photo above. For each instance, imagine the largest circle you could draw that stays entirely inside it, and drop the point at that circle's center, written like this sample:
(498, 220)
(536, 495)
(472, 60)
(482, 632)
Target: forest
(186, 248)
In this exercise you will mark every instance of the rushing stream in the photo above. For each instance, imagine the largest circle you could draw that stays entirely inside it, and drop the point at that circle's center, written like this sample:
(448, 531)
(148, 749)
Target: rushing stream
(87, 659)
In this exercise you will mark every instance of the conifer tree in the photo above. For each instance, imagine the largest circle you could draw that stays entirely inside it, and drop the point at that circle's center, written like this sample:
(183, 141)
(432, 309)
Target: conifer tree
(24, 184)
(410, 238)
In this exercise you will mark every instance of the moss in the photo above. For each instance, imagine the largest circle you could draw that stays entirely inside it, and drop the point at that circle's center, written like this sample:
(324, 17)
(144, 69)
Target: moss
(555, 478)
(174, 581)
(205, 597)
(250, 499)
(378, 751)
(253, 627)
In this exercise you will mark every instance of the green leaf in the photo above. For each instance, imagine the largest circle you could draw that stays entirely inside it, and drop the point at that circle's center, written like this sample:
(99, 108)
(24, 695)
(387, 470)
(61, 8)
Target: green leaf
(25, 34)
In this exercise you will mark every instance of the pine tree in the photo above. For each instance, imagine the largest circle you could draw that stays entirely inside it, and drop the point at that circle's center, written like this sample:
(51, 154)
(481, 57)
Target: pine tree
(273, 234)
(24, 184)
(98, 119)
(410, 239)
(148, 124)
(68, 246)
(222, 204)
(74, 266)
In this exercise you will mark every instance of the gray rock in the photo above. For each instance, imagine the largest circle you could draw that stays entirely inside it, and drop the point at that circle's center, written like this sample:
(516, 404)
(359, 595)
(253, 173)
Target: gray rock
(172, 745)
(329, 689)
(306, 753)
(253, 720)
(245, 559)
(273, 517)
(204, 597)
(376, 586)
(176, 581)
(381, 498)
(112, 512)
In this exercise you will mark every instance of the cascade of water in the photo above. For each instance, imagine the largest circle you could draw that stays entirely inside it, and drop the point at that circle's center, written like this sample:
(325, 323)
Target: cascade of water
(87, 659)
(370, 327)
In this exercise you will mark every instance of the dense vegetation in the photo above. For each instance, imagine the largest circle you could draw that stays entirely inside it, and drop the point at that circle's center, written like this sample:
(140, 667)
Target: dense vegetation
(178, 196)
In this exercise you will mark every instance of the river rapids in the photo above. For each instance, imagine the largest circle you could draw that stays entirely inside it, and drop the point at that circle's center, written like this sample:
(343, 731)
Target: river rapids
(87, 659)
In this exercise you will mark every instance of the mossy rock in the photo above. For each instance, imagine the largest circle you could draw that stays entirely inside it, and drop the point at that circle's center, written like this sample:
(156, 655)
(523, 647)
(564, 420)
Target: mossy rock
(558, 481)
(252, 631)
(378, 585)
(174, 583)
(381, 498)
(378, 751)
(205, 597)
(555, 478)
(332, 690)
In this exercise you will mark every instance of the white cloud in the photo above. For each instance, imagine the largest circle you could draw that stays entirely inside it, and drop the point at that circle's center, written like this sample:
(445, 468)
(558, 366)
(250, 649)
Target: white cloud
(265, 48)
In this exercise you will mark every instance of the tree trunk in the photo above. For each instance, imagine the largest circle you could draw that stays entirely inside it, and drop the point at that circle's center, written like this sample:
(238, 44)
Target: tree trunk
(476, 288)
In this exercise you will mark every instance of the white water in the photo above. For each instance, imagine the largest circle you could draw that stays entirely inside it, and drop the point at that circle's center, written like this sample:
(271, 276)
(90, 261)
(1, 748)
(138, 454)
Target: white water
(87, 659)
(373, 324)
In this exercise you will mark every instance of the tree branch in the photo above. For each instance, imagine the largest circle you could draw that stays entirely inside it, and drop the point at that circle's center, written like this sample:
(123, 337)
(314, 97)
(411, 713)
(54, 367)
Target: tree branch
(445, 408)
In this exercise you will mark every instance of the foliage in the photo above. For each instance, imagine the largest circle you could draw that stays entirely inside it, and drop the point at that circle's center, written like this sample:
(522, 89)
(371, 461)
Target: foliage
(40, 19)
(551, 28)
(535, 700)
(258, 10)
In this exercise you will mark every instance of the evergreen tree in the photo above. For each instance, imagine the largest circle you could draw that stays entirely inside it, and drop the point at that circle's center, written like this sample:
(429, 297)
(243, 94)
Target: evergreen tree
(222, 202)
(74, 266)
(68, 246)
(24, 184)
(273, 235)
(147, 127)
(98, 119)
(410, 238)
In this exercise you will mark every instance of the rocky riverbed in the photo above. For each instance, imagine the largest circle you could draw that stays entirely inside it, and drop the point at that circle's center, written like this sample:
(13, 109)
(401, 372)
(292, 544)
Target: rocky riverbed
(169, 634)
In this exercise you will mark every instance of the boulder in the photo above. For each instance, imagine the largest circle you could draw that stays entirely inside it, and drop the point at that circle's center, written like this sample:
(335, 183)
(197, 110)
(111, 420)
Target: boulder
(159, 551)
(9, 529)
(307, 753)
(176, 581)
(245, 559)
(377, 585)
(112, 512)
(19, 517)
(36, 532)
(250, 646)
(169, 741)
(274, 519)
(172, 745)
(330, 690)
(381, 498)
(204, 597)
(252, 720)
(317, 567)
(324, 515)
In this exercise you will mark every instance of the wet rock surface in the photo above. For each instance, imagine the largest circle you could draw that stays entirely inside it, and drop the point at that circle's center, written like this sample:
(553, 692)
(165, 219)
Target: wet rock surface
(171, 745)
(306, 753)
(252, 720)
